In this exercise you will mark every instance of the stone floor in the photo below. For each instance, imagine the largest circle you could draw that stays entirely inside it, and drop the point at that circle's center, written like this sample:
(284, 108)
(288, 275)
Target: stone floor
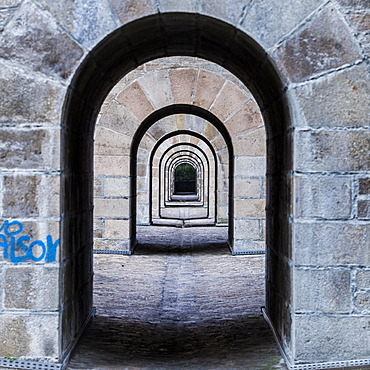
(181, 301)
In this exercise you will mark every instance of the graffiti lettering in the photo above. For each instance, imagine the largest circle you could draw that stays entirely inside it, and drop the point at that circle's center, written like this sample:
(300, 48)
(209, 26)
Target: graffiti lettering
(19, 248)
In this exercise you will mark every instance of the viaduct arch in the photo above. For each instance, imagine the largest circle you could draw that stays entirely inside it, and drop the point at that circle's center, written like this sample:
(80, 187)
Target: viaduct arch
(317, 159)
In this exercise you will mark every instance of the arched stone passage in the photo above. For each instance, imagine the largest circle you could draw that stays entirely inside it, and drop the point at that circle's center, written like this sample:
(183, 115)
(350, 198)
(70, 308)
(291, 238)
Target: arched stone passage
(245, 59)
(320, 238)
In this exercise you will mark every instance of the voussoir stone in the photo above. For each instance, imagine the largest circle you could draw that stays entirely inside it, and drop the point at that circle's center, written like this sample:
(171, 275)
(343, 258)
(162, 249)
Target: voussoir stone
(325, 43)
(33, 39)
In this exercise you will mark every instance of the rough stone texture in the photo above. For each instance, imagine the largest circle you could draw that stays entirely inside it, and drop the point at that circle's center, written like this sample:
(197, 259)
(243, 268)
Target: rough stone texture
(136, 101)
(111, 207)
(31, 288)
(251, 144)
(88, 22)
(34, 40)
(363, 279)
(112, 165)
(161, 96)
(313, 331)
(249, 229)
(250, 166)
(208, 86)
(117, 118)
(324, 44)
(116, 187)
(333, 151)
(108, 142)
(182, 84)
(346, 106)
(230, 99)
(334, 243)
(249, 208)
(128, 10)
(363, 207)
(117, 229)
(268, 21)
(364, 186)
(323, 291)
(29, 149)
(247, 118)
(323, 197)
(15, 340)
(247, 188)
(28, 99)
(363, 302)
(25, 335)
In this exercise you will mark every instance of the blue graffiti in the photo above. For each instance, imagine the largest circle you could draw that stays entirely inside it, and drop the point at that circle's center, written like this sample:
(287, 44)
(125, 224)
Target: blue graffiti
(17, 248)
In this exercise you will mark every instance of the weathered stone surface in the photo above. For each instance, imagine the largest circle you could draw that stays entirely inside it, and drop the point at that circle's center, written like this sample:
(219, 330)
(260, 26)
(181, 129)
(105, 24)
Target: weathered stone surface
(88, 22)
(117, 118)
(158, 88)
(28, 99)
(334, 243)
(247, 229)
(231, 12)
(109, 165)
(250, 166)
(129, 10)
(360, 20)
(249, 208)
(363, 279)
(267, 21)
(340, 99)
(20, 196)
(35, 40)
(324, 44)
(230, 99)
(31, 196)
(112, 244)
(116, 187)
(117, 229)
(323, 197)
(29, 149)
(136, 101)
(354, 4)
(5, 15)
(363, 302)
(323, 291)
(31, 288)
(251, 143)
(183, 84)
(247, 188)
(332, 151)
(208, 86)
(15, 340)
(111, 208)
(109, 142)
(245, 245)
(364, 186)
(363, 207)
(10, 3)
(246, 119)
(312, 331)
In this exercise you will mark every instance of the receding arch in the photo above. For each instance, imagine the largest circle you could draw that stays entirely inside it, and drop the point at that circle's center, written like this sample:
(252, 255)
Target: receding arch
(155, 36)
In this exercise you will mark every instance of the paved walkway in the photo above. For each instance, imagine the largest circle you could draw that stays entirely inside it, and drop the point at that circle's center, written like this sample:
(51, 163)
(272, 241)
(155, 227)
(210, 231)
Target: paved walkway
(181, 301)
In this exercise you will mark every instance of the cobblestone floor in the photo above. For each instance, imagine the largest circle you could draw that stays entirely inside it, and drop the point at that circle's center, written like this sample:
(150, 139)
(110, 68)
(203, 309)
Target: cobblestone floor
(181, 301)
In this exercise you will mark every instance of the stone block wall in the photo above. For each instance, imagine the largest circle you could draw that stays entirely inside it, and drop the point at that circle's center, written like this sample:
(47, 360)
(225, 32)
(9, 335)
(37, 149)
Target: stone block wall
(306, 65)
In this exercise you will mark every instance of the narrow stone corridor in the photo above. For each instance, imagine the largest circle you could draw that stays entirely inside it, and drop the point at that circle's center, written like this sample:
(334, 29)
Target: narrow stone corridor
(181, 301)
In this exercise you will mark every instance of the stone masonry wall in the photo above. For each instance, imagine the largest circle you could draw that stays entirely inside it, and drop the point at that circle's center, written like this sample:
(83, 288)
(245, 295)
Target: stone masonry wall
(306, 64)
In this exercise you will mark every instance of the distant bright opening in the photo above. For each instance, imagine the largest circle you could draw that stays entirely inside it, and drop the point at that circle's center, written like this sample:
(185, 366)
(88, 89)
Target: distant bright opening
(185, 179)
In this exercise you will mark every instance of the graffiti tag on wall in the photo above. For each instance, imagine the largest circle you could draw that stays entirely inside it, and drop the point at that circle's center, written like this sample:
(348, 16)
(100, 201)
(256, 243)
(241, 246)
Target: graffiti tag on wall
(19, 248)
